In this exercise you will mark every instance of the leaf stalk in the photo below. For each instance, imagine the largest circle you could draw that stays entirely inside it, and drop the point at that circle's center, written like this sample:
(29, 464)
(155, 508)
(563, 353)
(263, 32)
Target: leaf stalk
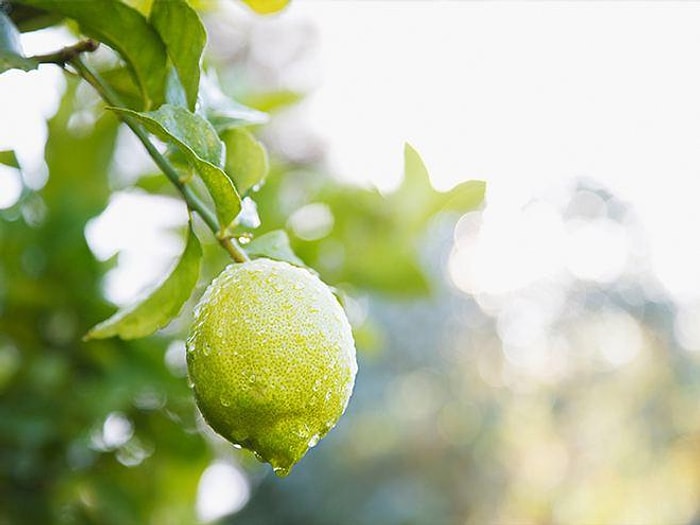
(193, 201)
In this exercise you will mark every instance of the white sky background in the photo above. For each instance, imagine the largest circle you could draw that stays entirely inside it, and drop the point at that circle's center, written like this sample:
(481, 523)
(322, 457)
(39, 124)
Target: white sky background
(519, 94)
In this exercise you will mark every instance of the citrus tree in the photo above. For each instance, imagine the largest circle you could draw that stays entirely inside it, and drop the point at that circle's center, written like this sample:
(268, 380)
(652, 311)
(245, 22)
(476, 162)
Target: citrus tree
(270, 352)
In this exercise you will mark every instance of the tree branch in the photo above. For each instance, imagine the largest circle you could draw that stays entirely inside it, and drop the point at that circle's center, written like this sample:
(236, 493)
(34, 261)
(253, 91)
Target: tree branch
(67, 54)
(193, 201)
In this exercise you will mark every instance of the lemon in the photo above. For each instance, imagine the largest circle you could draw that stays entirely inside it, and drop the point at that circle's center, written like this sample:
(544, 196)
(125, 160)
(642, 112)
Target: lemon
(271, 359)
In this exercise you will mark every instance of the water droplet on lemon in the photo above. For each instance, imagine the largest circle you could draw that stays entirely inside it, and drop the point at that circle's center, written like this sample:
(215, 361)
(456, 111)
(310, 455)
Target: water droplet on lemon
(286, 375)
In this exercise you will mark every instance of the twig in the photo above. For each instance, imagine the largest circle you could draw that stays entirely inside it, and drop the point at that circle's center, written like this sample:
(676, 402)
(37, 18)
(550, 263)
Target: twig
(68, 53)
(193, 201)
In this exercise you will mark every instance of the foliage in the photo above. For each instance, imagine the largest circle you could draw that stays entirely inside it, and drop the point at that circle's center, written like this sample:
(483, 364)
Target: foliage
(62, 396)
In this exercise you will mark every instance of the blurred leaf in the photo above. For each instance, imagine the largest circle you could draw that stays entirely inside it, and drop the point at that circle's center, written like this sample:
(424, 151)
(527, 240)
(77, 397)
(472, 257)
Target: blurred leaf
(183, 33)
(174, 90)
(246, 159)
(161, 305)
(8, 158)
(416, 200)
(31, 19)
(123, 84)
(415, 194)
(154, 183)
(387, 265)
(198, 141)
(142, 6)
(274, 245)
(463, 197)
(11, 54)
(127, 31)
(82, 190)
(223, 111)
(273, 101)
(234, 115)
(415, 173)
(266, 6)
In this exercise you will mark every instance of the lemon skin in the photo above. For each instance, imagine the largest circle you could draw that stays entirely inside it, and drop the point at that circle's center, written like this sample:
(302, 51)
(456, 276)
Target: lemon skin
(271, 359)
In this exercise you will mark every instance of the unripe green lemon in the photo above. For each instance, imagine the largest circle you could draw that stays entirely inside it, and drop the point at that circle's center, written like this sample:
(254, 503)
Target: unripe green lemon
(271, 358)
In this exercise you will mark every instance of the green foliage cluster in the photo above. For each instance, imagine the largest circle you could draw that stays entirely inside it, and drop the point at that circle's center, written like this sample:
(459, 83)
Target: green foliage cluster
(59, 392)
(155, 92)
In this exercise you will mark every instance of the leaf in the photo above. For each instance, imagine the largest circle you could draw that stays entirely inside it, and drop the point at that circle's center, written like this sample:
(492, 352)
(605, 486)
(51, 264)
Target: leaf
(223, 111)
(416, 176)
(463, 197)
(174, 91)
(124, 29)
(8, 158)
(265, 7)
(234, 115)
(161, 305)
(188, 131)
(198, 142)
(30, 19)
(183, 33)
(387, 265)
(274, 245)
(11, 54)
(416, 199)
(246, 159)
(123, 84)
(273, 101)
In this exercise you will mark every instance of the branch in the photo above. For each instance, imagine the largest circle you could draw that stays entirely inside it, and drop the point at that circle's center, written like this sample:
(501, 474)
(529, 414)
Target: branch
(67, 54)
(193, 201)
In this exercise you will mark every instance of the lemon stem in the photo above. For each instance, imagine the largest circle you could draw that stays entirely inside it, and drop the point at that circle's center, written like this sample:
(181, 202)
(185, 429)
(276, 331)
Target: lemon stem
(193, 201)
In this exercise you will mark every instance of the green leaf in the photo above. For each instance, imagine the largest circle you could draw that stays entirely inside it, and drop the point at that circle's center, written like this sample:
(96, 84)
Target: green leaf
(273, 245)
(155, 183)
(274, 100)
(265, 7)
(11, 54)
(416, 200)
(192, 134)
(223, 111)
(183, 33)
(416, 176)
(174, 90)
(161, 305)
(387, 265)
(233, 114)
(463, 197)
(127, 31)
(30, 19)
(123, 84)
(197, 140)
(246, 159)
(8, 158)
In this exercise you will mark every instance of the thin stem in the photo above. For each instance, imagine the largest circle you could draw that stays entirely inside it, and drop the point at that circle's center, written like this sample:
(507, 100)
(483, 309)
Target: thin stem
(193, 201)
(67, 54)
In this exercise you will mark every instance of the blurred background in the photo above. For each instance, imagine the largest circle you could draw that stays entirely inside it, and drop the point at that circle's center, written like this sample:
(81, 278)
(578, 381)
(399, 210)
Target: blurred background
(532, 361)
